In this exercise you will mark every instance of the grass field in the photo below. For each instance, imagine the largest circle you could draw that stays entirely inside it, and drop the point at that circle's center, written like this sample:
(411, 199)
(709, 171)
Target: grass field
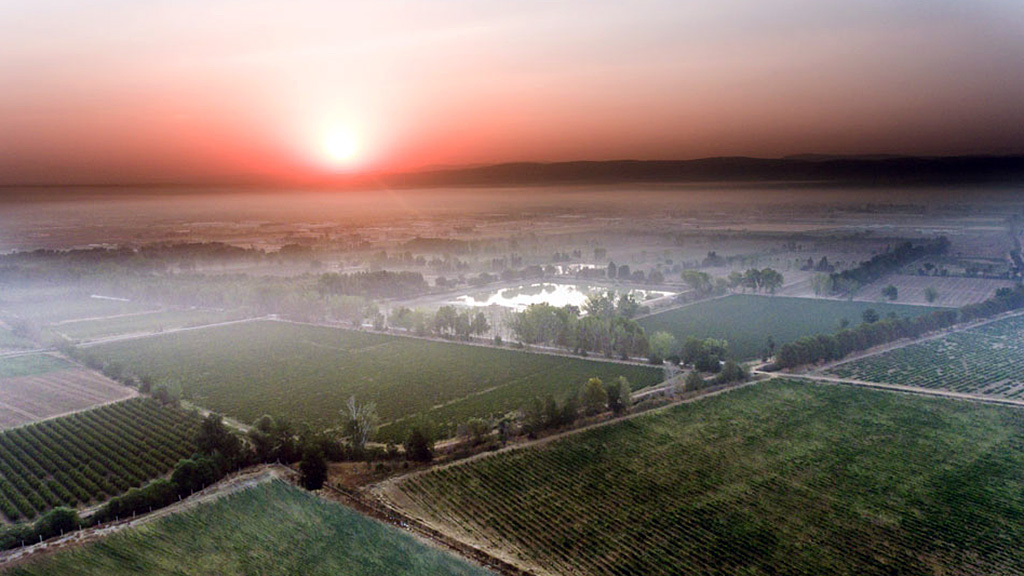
(31, 365)
(776, 478)
(746, 321)
(62, 307)
(90, 455)
(269, 529)
(988, 360)
(11, 341)
(141, 323)
(307, 373)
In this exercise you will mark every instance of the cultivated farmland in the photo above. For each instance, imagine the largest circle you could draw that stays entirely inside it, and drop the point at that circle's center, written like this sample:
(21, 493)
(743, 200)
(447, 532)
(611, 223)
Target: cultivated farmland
(307, 373)
(141, 323)
(9, 341)
(269, 529)
(56, 307)
(987, 360)
(90, 456)
(777, 478)
(38, 386)
(949, 290)
(747, 321)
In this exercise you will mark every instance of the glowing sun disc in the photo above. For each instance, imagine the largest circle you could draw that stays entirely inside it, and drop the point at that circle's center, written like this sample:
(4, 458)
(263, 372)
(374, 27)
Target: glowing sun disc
(340, 147)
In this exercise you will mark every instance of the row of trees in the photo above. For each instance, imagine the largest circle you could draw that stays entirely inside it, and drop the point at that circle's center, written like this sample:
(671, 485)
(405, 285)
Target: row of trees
(594, 398)
(607, 328)
(757, 280)
(881, 264)
(450, 321)
(377, 284)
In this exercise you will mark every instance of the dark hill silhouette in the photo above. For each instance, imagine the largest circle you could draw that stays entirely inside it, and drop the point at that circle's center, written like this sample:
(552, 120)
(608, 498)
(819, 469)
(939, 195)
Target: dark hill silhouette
(857, 170)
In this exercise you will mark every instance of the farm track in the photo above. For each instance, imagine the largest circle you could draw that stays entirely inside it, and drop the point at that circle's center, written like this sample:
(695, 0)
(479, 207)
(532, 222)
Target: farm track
(124, 337)
(913, 390)
(111, 317)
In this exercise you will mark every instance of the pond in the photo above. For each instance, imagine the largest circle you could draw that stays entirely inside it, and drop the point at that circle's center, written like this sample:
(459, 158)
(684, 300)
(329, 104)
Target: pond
(519, 297)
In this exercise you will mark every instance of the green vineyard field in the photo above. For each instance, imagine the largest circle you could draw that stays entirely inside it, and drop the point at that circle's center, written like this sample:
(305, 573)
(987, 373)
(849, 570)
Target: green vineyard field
(270, 529)
(778, 478)
(90, 456)
(988, 360)
(144, 322)
(307, 373)
(747, 321)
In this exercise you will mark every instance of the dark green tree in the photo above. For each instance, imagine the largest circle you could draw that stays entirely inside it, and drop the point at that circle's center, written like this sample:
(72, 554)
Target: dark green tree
(891, 292)
(595, 398)
(58, 521)
(694, 381)
(313, 467)
(419, 447)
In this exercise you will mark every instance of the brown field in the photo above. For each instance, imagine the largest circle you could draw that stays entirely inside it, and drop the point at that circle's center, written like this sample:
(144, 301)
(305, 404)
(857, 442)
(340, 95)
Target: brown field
(27, 399)
(953, 291)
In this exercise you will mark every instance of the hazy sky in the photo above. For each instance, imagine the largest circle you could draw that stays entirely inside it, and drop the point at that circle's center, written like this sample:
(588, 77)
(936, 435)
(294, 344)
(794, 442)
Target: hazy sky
(160, 89)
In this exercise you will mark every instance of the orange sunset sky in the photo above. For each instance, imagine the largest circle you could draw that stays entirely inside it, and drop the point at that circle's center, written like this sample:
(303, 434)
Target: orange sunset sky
(157, 90)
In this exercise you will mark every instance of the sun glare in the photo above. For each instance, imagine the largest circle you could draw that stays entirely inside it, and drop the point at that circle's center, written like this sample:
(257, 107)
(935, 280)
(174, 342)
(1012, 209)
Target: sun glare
(341, 148)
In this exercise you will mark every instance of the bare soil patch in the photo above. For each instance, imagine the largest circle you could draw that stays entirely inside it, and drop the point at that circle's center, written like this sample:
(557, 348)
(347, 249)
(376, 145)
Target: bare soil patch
(29, 399)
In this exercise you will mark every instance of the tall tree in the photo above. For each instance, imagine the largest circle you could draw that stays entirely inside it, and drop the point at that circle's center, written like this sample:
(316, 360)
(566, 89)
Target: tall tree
(595, 398)
(360, 423)
(418, 447)
(771, 280)
(699, 281)
(313, 467)
(618, 392)
(694, 381)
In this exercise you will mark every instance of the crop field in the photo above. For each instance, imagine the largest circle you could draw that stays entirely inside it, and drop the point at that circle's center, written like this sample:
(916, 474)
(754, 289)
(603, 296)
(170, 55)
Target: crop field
(950, 291)
(988, 360)
(307, 373)
(31, 398)
(90, 455)
(17, 365)
(141, 323)
(746, 321)
(783, 477)
(268, 529)
(12, 342)
(64, 307)
(38, 386)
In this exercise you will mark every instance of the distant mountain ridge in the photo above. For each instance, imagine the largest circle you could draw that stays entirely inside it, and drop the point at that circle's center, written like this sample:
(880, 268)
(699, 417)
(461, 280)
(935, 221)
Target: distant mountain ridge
(879, 169)
(866, 170)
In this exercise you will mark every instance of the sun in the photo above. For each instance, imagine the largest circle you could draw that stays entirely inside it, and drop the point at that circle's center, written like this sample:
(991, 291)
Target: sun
(340, 147)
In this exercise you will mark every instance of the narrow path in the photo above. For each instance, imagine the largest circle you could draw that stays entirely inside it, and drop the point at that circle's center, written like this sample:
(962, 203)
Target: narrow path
(111, 317)
(913, 390)
(139, 335)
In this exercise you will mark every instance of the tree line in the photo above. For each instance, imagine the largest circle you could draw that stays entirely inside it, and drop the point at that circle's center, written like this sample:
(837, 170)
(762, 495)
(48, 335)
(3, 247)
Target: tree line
(604, 325)
(881, 264)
